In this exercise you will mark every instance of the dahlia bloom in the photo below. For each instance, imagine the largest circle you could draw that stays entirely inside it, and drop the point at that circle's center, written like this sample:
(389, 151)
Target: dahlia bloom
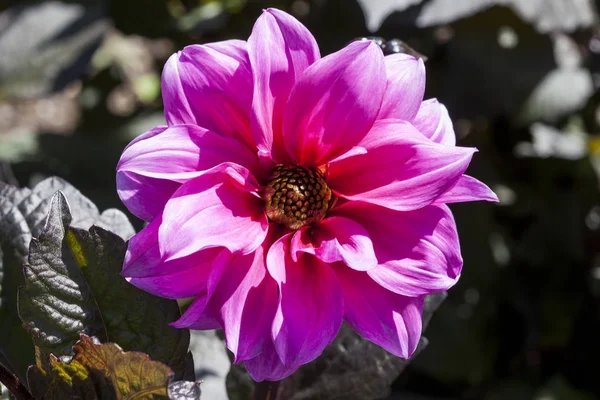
(290, 192)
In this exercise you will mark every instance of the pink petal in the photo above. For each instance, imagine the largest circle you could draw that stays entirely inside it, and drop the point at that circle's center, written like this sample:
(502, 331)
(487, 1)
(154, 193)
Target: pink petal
(311, 305)
(188, 276)
(336, 239)
(467, 189)
(199, 315)
(267, 366)
(387, 319)
(334, 104)
(246, 302)
(280, 49)
(219, 208)
(405, 87)
(144, 197)
(433, 121)
(175, 279)
(172, 154)
(418, 251)
(180, 152)
(143, 252)
(402, 169)
(210, 86)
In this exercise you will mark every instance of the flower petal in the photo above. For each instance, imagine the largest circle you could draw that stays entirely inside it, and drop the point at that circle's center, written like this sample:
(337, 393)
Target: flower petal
(402, 169)
(280, 49)
(175, 279)
(246, 302)
(387, 319)
(418, 251)
(144, 197)
(219, 208)
(405, 87)
(172, 154)
(199, 315)
(143, 253)
(334, 104)
(210, 86)
(467, 189)
(180, 152)
(336, 239)
(267, 366)
(433, 121)
(311, 305)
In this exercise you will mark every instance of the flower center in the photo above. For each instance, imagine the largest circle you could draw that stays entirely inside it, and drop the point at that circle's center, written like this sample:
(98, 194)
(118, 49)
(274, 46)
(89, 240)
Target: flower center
(296, 196)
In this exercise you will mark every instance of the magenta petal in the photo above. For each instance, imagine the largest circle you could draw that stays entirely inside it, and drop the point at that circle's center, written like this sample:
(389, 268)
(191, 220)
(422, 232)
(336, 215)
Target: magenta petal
(433, 121)
(267, 366)
(311, 305)
(246, 302)
(405, 87)
(177, 278)
(334, 104)
(199, 315)
(337, 239)
(418, 251)
(387, 319)
(144, 197)
(402, 169)
(180, 152)
(210, 86)
(280, 49)
(143, 252)
(187, 276)
(153, 165)
(219, 208)
(467, 189)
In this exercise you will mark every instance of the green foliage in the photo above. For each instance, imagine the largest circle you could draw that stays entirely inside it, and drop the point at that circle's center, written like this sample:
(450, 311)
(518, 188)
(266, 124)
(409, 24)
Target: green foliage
(23, 213)
(72, 285)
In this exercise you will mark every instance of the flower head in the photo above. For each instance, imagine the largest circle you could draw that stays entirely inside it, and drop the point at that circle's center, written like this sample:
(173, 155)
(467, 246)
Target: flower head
(289, 192)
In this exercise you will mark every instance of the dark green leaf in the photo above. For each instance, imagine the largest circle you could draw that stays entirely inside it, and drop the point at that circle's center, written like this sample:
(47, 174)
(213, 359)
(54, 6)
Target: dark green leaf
(72, 285)
(16, 350)
(23, 212)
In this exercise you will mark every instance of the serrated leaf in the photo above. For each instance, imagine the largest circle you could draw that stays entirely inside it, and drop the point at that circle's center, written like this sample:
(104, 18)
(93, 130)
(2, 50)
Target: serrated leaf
(99, 371)
(23, 213)
(73, 286)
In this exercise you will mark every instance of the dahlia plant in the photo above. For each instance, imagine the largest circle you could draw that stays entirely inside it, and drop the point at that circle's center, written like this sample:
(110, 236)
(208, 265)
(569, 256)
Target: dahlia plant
(290, 192)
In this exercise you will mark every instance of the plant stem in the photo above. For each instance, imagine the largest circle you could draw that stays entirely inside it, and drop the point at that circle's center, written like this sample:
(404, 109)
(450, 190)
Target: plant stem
(14, 385)
(266, 390)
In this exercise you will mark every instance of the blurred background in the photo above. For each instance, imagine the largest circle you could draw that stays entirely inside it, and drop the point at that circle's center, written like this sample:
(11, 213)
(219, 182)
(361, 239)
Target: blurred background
(80, 79)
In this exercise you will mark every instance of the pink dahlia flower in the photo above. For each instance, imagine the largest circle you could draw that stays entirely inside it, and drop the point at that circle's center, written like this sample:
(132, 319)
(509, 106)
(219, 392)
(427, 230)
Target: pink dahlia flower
(290, 192)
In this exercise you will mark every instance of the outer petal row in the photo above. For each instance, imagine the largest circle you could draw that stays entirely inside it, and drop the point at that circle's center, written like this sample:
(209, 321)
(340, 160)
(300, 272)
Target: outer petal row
(401, 169)
(405, 87)
(334, 104)
(210, 86)
(219, 209)
(311, 304)
(154, 165)
(280, 49)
